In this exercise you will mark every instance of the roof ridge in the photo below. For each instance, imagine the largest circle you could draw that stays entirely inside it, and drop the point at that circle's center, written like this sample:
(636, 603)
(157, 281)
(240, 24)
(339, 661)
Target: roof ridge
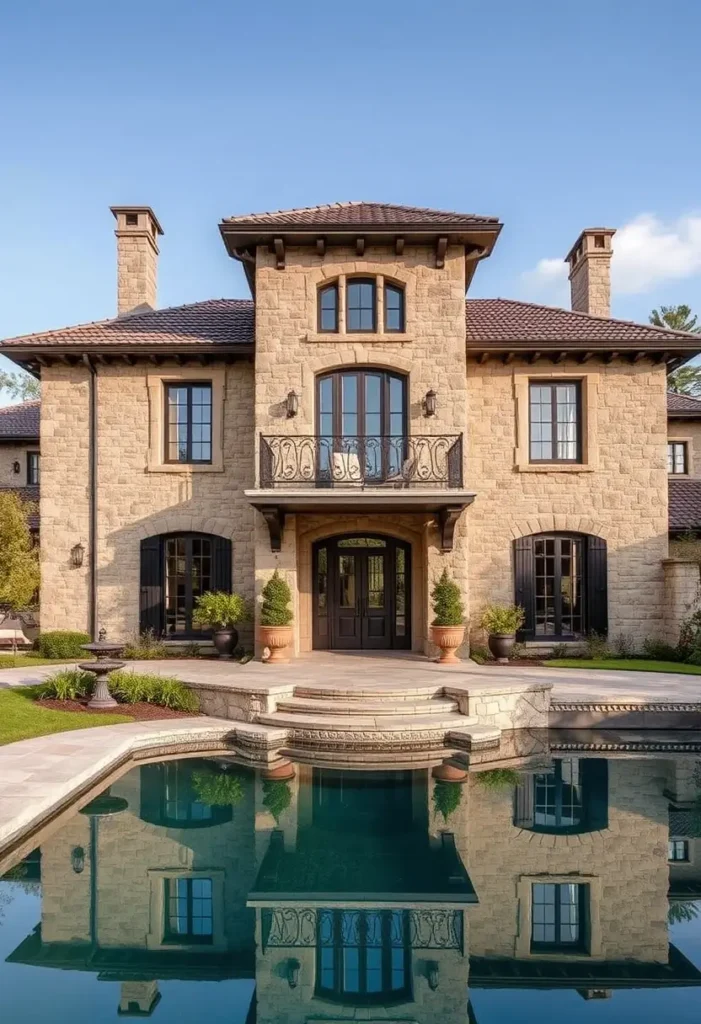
(29, 402)
(590, 316)
(345, 204)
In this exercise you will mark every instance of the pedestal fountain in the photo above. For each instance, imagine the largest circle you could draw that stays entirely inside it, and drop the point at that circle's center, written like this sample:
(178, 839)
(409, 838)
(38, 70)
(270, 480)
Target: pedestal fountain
(103, 664)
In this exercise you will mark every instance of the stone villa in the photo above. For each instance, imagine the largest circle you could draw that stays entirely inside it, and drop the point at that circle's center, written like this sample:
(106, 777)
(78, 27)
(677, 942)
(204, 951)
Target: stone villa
(359, 424)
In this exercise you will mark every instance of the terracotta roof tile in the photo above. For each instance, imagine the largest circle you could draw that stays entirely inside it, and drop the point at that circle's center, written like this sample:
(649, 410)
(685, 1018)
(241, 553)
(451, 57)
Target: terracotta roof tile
(20, 420)
(683, 405)
(360, 213)
(225, 321)
(685, 504)
(492, 321)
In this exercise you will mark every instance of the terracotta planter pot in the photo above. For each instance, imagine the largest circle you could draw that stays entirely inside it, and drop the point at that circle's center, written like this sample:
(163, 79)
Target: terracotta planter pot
(280, 773)
(448, 638)
(449, 773)
(277, 639)
(225, 641)
(501, 645)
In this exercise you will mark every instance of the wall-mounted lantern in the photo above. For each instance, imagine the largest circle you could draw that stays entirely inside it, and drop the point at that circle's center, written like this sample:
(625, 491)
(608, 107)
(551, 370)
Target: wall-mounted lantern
(77, 555)
(16, 466)
(78, 859)
(292, 404)
(430, 403)
(432, 975)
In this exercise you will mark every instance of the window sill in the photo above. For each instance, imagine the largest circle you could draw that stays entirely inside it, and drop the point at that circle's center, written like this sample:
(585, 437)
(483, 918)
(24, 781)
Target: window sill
(185, 468)
(555, 467)
(679, 476)
(371, 337)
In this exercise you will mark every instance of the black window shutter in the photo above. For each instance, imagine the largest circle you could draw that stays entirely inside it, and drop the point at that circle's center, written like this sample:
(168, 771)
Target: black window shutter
(597, 585)
(151, 585)
(221, 564)
(595, 787)
(151, 793)
(524, 580)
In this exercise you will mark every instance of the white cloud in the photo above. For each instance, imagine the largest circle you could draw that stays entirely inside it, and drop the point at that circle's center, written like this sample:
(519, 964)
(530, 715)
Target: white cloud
(646, 252)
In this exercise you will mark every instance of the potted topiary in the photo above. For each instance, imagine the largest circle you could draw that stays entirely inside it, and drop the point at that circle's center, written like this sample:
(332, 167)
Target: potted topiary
(448, 626)
(220, 612)
(275, 631)
(501, 621)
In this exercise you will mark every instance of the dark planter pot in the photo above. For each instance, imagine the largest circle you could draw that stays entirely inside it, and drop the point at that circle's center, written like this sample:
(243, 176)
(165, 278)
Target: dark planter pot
(225, 642)
(501, 645)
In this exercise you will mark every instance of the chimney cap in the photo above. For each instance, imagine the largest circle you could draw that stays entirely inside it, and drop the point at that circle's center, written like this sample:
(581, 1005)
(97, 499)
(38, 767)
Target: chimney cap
(606, 232)
(116, 210)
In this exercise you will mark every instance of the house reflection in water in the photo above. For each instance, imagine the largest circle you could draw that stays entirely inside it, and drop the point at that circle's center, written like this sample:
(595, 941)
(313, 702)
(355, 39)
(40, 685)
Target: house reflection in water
(340, 892)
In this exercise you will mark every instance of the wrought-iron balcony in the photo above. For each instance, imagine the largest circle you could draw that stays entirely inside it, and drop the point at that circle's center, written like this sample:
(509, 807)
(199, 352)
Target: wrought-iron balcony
(425, 461)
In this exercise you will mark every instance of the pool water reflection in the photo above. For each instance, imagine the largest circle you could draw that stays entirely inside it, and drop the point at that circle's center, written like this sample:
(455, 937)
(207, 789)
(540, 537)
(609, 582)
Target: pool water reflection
(199, 889)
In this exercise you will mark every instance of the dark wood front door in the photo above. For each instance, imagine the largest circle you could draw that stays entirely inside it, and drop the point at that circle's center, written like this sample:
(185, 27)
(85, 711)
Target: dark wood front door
(361, 594)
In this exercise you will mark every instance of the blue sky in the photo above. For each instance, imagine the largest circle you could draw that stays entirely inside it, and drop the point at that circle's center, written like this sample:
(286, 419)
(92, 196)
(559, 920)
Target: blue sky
(552, 115)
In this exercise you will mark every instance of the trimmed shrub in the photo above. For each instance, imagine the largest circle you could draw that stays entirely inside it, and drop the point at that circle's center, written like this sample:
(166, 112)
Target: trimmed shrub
(68, 684)
(276, 599)
(658, 650)
(277, 796)
(597, 647)
(446, 797)
(144, 687)
(498, 779)
(146, 646)
(62, 643)
(218, 788)
(505, 619)
(448, 609)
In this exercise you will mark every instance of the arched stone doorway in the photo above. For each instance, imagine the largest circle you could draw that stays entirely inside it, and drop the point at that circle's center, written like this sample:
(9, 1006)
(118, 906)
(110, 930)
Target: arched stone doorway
(361, 593)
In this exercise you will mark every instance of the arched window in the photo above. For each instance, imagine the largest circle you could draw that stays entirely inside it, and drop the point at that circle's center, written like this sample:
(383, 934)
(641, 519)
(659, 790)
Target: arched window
(361, 303)
(394, 309)
(363, 956)
(169, 797)
(561, 583)
(571, 798)
(328, 309)
(175, 569)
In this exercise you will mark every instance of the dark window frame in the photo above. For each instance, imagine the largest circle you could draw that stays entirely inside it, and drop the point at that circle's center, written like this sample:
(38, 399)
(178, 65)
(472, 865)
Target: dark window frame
(189, 385)
(390, 286)
(576, 540)
(372, 281)
(553, 385)
(673, 445)
(321, 291)
(33, 471)
(582, 942)
(387, 995)
(171, 937)
(190, 632)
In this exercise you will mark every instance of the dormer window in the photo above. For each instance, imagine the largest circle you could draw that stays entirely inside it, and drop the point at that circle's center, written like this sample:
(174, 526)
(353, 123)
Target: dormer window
(394, 308)
(361, 305)
(328, 309)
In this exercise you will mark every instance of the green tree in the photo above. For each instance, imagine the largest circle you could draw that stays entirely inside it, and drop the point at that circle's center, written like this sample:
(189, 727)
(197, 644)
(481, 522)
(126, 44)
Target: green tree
(19, 385)
(685, 381)
(675, 318)
(19, 561)
(448, 608)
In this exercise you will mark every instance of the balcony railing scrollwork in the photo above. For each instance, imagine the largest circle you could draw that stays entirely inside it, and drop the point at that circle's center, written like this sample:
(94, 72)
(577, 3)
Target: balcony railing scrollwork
(305, 460)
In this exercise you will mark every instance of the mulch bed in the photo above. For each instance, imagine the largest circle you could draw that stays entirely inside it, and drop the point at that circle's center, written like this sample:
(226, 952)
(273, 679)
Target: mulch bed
(142, 711)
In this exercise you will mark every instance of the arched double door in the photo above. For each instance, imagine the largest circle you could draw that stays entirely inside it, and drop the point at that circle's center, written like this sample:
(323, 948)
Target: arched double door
(361, 593)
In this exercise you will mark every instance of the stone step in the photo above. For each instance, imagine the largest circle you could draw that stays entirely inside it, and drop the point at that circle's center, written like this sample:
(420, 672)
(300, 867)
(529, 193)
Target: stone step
(369, 708)
(382, 725)
(376, 692)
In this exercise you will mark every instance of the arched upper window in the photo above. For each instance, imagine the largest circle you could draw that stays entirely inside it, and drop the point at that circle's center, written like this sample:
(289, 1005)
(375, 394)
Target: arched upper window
(364, 313)
(328, 308)
(361, 300)
(570, 798)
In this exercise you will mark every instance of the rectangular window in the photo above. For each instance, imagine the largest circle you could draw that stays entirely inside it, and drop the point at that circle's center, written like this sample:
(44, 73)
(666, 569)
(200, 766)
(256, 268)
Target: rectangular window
(188, 423)
(559, 912)
(678, 850)
(360, 305)
(676, 457)
(188, 911)
(32, 468)
(394, 309)
(555, 421)
(328, 308)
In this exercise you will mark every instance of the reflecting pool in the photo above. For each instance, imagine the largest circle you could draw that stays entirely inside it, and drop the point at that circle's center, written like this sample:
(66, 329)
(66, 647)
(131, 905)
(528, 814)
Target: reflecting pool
(199, 890)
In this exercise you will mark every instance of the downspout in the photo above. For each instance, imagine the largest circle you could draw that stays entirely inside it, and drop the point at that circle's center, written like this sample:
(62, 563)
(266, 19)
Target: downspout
(92, 484)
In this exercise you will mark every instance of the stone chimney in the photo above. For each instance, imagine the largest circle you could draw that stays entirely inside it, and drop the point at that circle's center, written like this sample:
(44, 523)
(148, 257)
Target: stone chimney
(590, 271)
(138, 998)
(137, 257)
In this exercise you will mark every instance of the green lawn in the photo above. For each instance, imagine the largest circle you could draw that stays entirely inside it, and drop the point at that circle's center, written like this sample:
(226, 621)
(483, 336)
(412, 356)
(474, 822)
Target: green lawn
(631, 664)
(28, 660)
(21, 719)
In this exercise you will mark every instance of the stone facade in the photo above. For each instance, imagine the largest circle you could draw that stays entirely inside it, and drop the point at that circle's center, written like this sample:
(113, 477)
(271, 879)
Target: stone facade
(689, 431)
(9, 454)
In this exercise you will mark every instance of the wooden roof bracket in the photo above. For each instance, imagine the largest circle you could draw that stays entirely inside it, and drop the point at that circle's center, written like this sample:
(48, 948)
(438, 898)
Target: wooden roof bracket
(275, 520)
(441, 250)
(279, 247)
